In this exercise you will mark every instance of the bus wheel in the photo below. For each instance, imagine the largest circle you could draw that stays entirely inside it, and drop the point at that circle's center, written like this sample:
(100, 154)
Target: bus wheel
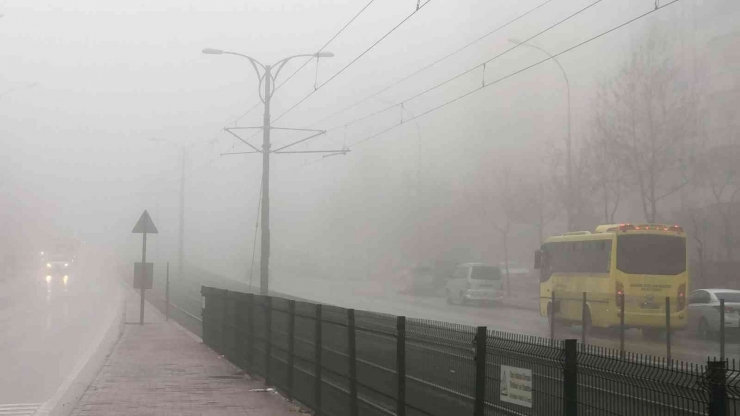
(550, 317)
(703, 329)
(587, 323)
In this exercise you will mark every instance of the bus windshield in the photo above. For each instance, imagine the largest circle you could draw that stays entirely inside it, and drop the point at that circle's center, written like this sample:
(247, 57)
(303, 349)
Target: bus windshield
(651, 254)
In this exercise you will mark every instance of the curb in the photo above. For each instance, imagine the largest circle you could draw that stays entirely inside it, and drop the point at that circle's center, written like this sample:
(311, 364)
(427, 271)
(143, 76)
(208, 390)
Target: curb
(74, 386)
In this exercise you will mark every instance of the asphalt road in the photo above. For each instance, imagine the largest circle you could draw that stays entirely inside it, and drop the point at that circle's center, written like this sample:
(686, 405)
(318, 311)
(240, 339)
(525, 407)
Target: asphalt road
(47, 331)
(349, 294)
(515, 320)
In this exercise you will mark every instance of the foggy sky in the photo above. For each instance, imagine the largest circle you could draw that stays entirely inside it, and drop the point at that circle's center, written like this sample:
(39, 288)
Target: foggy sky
(77, 150)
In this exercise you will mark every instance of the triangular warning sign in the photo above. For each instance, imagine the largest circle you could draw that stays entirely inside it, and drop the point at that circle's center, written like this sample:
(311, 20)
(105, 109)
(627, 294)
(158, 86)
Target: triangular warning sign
(145, 225)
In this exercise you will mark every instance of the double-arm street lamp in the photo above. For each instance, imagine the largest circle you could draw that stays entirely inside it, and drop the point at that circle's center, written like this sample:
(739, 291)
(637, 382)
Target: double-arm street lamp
(265, 75)
(569, 151)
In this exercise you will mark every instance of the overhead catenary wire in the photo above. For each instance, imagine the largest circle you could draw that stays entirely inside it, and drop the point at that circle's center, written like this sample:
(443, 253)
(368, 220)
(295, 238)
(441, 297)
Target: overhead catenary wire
(514, 73)
(449, 55)
(326, 44)
(302, 100)
(468, 71)
(316, 86)
(306, 62)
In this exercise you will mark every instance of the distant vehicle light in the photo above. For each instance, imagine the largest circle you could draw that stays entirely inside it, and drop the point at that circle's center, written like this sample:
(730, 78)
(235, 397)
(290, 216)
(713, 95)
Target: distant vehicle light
(48, 278)
(65, 278)
(66, 264)
(42, 253)
(48, 265)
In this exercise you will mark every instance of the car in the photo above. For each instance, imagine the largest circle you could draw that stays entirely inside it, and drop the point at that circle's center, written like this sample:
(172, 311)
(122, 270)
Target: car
(57, 269)
(475, 282)
(419, 280)
(704, 311)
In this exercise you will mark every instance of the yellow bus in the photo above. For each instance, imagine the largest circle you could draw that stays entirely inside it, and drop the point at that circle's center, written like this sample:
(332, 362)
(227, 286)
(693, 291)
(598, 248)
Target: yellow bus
(640, 263)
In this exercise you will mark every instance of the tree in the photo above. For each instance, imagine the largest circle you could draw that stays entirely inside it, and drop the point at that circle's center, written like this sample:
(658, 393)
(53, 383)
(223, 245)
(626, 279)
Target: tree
(648, 112)
(718, 168)
(607, 175)
(493, 200)
(537, 203)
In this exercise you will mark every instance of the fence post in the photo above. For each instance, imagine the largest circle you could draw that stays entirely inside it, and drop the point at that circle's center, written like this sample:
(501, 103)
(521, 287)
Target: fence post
(268, 336)
(222, 338)
(401, 365)
(352, 362)
(205, 319)
(481, 337)
(250, 331)
(668, 329)
(291, 346)
(167, 295)
(621, 325)
(584, 308)
(317, 369)
(722, 329)
(717, 379)
(552, 315)
(570, 378)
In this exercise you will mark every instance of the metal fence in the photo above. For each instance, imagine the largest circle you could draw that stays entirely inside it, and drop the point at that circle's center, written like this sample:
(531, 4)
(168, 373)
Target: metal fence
(664, 326)
(339, 361)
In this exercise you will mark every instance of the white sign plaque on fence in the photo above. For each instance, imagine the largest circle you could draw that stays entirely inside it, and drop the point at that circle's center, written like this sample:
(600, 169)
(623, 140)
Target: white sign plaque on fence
(516, 385)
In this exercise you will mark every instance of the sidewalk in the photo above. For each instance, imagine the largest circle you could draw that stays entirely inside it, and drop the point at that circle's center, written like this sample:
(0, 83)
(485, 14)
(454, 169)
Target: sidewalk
(161, 369)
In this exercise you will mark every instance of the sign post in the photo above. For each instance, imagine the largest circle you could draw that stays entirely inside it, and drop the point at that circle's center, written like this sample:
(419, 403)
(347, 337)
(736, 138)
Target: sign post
(144, 275)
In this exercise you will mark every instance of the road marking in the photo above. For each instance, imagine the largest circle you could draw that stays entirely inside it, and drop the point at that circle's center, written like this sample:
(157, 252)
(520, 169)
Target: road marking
(50, 404)
(19, 409)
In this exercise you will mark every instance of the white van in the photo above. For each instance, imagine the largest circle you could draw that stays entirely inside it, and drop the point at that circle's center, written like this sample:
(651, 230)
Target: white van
(475, 282)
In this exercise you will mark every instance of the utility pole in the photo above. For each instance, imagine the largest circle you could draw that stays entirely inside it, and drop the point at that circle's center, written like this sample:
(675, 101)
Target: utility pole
(265, 246)
(269, 79)
(569, 203)
(184, 150)
(181, 237)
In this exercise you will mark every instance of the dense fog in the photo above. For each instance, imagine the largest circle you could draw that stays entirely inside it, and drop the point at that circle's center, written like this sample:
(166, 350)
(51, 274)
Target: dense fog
(102, 103)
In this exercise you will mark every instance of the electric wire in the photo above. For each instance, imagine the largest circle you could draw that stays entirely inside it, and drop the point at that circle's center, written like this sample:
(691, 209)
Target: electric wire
(513, 73)
(301, 101)
(468, 71)
(449, 55)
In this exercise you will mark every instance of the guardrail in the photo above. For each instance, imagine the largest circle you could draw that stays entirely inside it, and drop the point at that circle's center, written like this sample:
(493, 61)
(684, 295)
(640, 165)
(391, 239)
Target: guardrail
(340, 361)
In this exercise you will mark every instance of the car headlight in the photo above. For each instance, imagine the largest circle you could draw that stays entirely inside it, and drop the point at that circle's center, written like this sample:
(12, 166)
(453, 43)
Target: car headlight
(48, 278)
(48, 265)
(66, 264)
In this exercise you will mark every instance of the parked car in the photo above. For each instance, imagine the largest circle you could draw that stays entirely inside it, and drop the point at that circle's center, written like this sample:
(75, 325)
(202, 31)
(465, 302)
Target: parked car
(475, 282)
(515, 270)
(704, 310)
(419, 280)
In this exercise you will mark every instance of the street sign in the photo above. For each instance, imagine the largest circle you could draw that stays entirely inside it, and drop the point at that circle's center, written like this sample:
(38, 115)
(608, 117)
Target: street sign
(145, 225)
(516, 385)
(143, 274)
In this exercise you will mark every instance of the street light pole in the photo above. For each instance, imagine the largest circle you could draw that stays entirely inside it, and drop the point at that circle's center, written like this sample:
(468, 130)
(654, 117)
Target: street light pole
(181, 237)
(265, 246)
(184, 148)
(568, 141)
(269, 80)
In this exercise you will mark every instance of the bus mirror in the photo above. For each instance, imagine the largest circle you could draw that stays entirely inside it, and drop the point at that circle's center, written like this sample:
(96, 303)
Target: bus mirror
(537, 259)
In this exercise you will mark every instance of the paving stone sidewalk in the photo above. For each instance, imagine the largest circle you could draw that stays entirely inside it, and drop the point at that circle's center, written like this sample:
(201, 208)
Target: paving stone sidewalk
(159, 369)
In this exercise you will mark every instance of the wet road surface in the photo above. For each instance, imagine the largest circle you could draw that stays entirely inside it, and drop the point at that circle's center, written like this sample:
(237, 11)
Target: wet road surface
(46, 330)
